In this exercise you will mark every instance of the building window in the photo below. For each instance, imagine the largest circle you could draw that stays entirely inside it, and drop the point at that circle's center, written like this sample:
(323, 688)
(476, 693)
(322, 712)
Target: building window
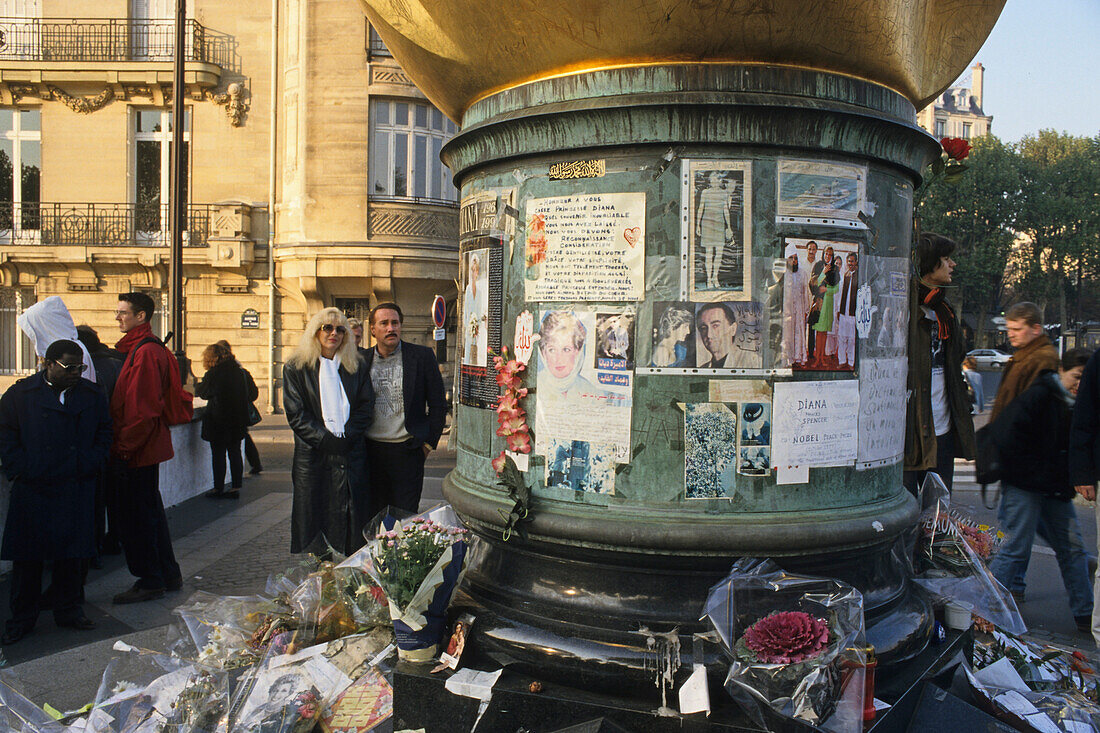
(941, 129)
(404, 151)
(151, 168)
(966, 130)
(16, 351)
(375, 45)
(20, 169)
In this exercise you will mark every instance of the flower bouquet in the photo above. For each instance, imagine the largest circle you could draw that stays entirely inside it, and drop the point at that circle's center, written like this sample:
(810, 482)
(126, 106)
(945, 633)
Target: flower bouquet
(417, 562)
(795, 642)
(951, 553)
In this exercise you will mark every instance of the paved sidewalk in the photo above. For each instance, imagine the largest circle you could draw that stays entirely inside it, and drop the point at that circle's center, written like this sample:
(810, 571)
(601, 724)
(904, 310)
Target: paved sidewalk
(224, 547)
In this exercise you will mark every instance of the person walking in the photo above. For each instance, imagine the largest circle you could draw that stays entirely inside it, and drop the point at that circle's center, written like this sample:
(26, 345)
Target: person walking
(55, 433)
(938, 425)
(251, 453)
(1084, 454)
(974, 379)
(329, 404)
(1034, 354)
(148, 398)
(1032, 436)
(409, 412)
(225, 420)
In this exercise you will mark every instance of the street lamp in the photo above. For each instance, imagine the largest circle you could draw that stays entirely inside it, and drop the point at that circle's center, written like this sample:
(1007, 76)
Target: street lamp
(177, 196)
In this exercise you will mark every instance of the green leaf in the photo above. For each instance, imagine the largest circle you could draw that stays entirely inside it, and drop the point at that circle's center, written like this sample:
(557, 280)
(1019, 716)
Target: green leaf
(937, 166)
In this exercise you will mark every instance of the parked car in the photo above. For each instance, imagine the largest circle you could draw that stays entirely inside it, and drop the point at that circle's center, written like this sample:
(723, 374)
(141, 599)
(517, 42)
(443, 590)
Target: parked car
(989, 358)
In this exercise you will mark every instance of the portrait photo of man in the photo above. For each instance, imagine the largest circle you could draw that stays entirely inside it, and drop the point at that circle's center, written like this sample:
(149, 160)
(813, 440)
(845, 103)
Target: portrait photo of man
(728, 336)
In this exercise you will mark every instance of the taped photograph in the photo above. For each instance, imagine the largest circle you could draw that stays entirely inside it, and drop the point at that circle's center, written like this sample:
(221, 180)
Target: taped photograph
(615, 341)
(729, 335)
(820, 190)
(755, 461)
(820, 284)
(580, 466)
(718, 196)
(710, 449)
(756, 424)
(673, 335)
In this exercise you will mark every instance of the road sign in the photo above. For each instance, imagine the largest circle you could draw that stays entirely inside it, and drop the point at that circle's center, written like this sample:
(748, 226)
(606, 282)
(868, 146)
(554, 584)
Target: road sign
(439, 334)
(439, 312)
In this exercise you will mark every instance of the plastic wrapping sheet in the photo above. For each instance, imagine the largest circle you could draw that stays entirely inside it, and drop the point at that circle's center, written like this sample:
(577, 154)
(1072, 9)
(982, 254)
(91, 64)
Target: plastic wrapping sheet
(796, 644)
(219, 628)
(18, 714)
(1005, 693)
(1041, 668)
(417, 561)
(149, 692)
(949, 564)
(286, 693)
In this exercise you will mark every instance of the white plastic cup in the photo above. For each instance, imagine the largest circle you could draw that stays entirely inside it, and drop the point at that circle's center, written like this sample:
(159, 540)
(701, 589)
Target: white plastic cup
(958, 615)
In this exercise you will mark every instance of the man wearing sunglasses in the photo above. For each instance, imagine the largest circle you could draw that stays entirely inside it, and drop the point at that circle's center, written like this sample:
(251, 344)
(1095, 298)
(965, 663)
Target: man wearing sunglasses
(55, 433)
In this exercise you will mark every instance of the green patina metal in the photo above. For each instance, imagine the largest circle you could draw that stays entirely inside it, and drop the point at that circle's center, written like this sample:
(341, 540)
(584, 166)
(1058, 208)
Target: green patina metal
(643, 123)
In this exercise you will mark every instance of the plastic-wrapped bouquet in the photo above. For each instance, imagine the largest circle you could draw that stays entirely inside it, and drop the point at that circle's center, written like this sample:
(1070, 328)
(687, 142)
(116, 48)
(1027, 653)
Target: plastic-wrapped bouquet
(796, 644)
(417, 561)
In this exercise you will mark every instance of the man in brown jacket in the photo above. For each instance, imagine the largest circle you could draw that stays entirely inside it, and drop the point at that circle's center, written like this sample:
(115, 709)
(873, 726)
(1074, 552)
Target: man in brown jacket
(1034, 354)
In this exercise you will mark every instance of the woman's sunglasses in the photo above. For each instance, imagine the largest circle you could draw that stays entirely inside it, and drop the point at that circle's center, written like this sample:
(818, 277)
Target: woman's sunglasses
(330, 327)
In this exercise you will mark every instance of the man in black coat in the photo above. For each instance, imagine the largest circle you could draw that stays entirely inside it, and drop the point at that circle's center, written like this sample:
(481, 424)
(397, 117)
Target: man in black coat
(55, 434)
(409, 411)
(1084, 453)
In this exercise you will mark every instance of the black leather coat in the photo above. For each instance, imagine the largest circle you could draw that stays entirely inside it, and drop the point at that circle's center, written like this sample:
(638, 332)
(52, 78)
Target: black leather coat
(331, 483)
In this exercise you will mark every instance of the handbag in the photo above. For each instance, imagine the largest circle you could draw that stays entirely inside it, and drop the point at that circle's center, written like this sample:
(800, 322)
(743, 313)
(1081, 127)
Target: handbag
(987, 458)
(253, 415)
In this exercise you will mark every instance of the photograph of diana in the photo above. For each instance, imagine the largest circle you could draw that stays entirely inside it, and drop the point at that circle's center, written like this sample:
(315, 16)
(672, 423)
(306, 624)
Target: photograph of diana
(475, 308)
(673, 335)
(718, 229)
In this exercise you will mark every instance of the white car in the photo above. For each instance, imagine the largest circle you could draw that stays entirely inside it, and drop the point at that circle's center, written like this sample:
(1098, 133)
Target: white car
(990, 358)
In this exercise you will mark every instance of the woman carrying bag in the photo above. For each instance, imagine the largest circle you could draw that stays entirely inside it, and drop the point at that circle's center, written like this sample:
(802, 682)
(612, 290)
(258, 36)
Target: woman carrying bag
(229, 394)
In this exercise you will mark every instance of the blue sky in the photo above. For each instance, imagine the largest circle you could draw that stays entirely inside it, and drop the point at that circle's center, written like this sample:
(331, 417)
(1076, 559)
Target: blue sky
(1042, 68)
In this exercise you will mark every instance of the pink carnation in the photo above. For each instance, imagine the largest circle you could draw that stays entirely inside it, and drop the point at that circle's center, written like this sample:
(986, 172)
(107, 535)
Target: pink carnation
(787, 637)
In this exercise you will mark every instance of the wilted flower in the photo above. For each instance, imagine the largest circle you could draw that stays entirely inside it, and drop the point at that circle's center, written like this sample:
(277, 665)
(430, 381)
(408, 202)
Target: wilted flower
(498, 462)
(787, 637)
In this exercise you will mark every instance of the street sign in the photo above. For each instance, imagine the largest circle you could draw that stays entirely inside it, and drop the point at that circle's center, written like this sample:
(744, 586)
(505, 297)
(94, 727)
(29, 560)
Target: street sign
(439, 313)
(439, 334)
(250, 318)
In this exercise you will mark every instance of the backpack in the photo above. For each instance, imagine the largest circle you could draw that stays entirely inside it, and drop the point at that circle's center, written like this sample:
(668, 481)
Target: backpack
(178, 409)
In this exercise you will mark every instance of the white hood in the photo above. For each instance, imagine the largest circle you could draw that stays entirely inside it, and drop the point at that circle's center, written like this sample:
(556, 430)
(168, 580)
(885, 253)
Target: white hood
(47, 321)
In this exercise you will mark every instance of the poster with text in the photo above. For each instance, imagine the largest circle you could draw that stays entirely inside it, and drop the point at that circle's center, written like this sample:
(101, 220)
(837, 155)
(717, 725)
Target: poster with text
(815, 423)
(577, 400)
(480, 310)
(821, 190)
(710, 449)
(729, 335)
(718, 229)
(475, 307)
(882, 391)
(820, 288)
(673, 338)
(585, 247)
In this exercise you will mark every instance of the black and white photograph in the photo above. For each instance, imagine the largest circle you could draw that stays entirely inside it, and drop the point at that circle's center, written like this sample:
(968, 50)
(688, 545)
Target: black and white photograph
(754, 460)
(756, 423)
(719, 235)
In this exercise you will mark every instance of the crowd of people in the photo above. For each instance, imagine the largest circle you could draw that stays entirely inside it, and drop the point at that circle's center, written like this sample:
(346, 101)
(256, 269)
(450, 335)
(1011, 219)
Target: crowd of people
(82, 440)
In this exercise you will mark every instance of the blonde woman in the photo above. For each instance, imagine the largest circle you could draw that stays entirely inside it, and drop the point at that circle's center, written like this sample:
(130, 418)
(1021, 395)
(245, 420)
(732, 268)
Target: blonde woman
(329, 403)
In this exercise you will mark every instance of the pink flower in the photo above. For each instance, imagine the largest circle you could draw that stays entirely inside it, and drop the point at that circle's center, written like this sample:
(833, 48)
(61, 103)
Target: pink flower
(498, 462)
(787, 637)
(519, 442)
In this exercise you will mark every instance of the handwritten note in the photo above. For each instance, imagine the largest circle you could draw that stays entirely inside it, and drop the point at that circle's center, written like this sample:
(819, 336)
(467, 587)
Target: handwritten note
(589, 247)
(881, 411)
(815, 423)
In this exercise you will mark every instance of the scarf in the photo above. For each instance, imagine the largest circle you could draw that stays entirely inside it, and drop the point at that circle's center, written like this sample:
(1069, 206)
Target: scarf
(936, 299)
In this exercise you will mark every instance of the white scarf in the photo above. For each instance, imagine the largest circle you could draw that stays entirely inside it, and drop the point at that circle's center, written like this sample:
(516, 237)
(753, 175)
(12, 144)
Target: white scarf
(335, 408)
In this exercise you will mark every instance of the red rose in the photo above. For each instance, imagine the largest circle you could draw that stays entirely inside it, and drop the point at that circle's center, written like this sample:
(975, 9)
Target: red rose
(955, 147)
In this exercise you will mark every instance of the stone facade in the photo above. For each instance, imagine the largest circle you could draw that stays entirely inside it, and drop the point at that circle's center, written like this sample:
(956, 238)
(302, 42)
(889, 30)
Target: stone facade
(97, 225)
(958, 111)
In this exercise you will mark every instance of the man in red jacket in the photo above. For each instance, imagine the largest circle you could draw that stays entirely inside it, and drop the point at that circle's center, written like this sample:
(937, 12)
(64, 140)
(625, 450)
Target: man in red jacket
(141, 442)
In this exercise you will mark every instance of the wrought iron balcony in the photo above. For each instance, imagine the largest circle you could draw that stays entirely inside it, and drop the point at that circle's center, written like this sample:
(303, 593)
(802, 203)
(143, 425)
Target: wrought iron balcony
(106, 225)
(108, 39)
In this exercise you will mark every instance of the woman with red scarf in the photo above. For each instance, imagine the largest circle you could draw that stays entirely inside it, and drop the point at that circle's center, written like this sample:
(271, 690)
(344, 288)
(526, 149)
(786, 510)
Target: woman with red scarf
(938, 426)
